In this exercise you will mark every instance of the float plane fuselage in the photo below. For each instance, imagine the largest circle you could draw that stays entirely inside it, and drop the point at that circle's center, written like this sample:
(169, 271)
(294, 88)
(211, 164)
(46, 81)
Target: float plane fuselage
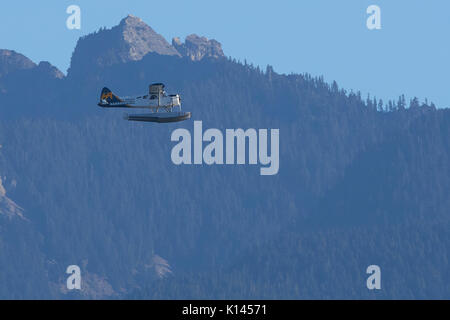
(155, 100)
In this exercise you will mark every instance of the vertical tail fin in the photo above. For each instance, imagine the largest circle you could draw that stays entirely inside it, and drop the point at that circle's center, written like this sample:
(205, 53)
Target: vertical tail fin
(108, 96)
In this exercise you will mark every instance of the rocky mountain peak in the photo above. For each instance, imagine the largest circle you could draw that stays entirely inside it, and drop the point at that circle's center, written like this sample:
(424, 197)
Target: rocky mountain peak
(12, 61)
(142, 39)
(131, 20)
(131, 40)
(196, 47)
(49, 69)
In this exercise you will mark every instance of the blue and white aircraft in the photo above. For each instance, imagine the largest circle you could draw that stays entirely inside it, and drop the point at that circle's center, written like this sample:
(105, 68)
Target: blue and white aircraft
(156, 100)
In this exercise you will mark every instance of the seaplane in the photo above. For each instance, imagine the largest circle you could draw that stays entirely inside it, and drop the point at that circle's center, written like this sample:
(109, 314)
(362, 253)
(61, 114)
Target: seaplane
(163, 106)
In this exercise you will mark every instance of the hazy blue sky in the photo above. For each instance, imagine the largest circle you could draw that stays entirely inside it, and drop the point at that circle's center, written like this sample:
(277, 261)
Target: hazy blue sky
(410, 54)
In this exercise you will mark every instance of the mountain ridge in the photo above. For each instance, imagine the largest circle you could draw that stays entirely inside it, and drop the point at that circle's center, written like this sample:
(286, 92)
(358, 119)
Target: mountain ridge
(131, 40)
(11, 61)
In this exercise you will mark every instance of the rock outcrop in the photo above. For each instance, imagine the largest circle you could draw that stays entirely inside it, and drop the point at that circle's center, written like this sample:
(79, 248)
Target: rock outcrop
(46, 68)
(11, 61)
(131, 40)
(197, 48)
(8, 207)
